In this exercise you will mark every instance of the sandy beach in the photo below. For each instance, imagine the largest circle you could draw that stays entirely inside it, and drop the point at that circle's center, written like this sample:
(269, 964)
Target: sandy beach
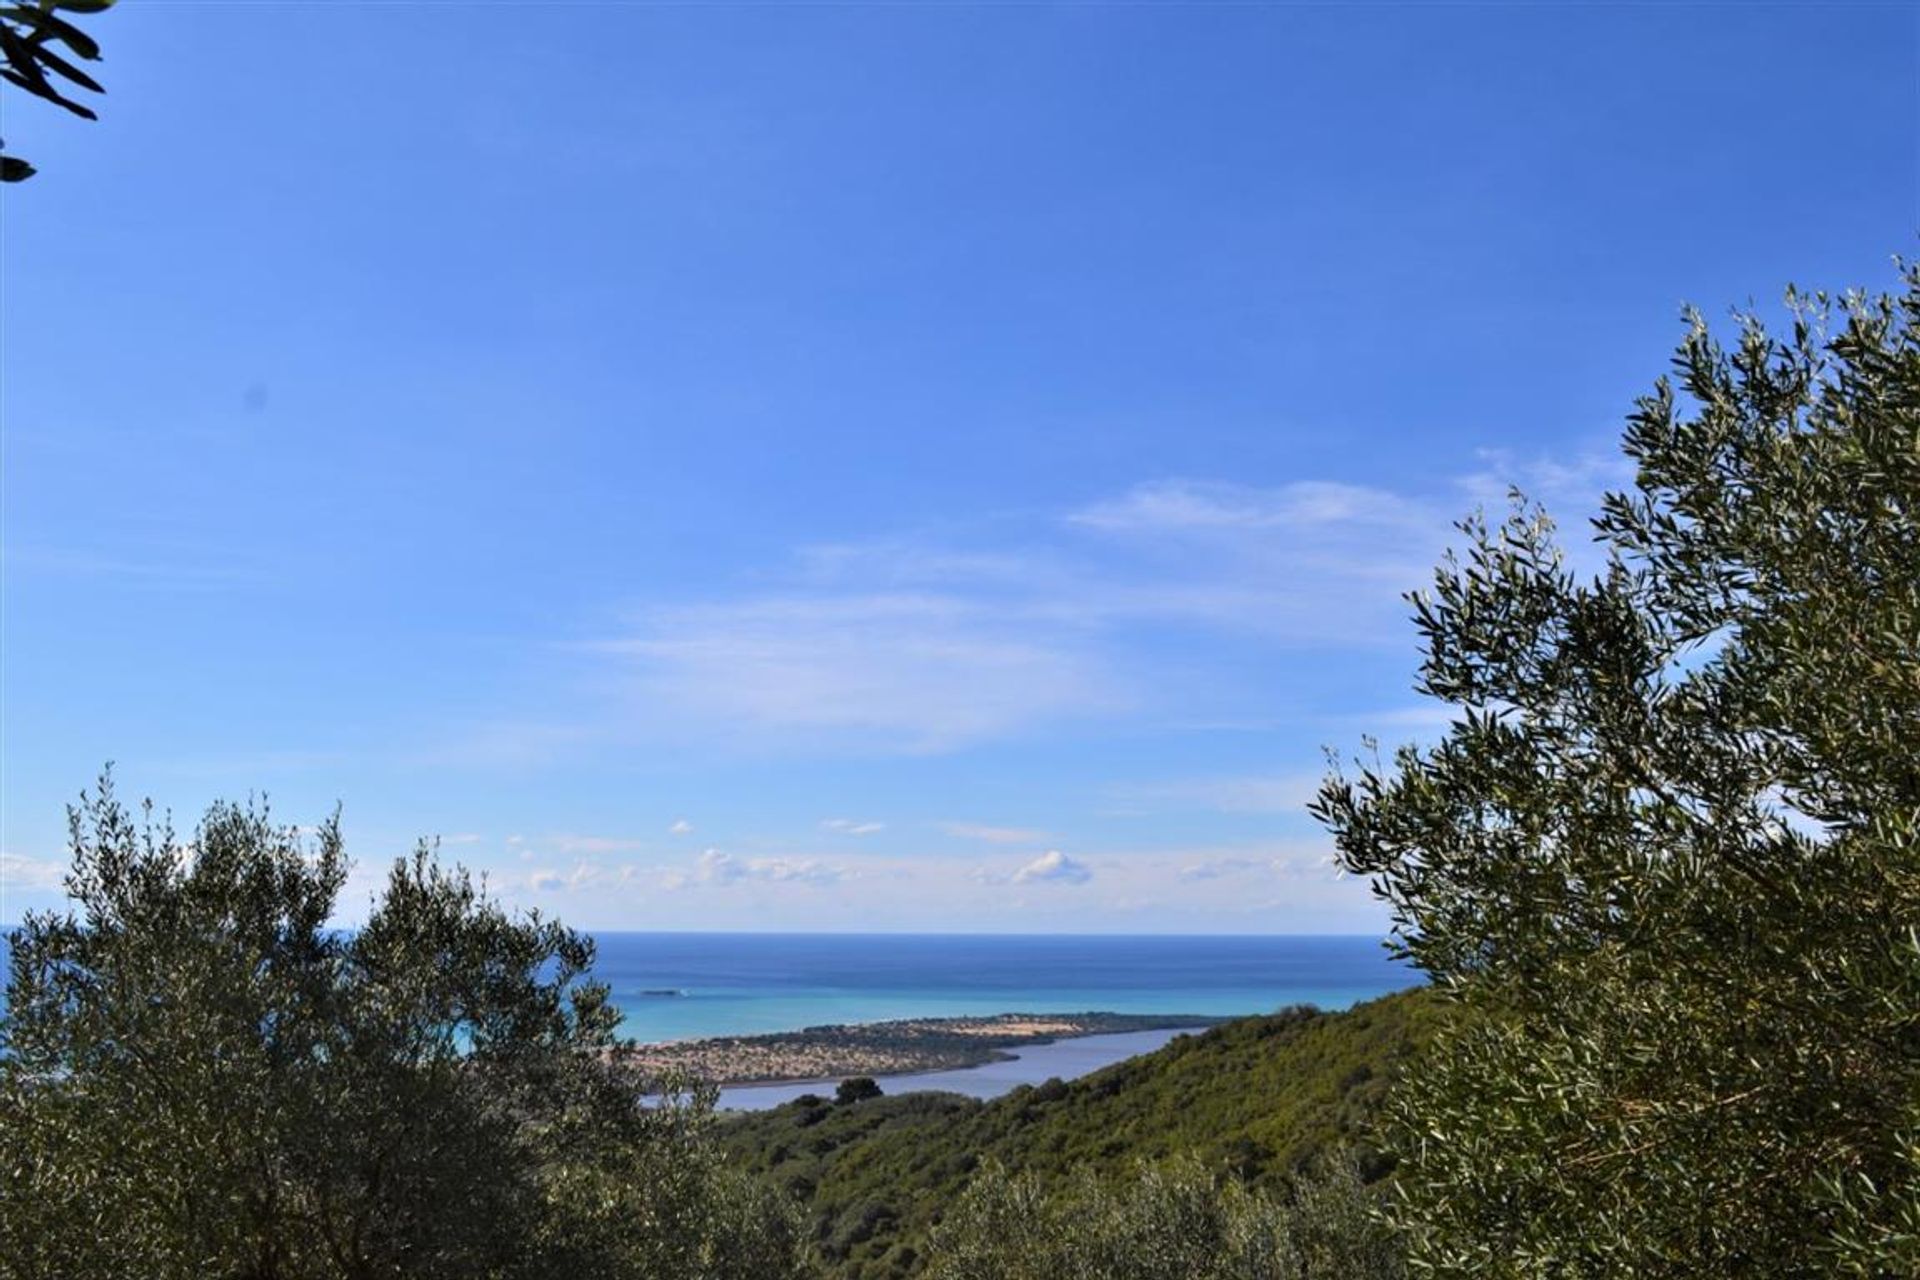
(900, 1047)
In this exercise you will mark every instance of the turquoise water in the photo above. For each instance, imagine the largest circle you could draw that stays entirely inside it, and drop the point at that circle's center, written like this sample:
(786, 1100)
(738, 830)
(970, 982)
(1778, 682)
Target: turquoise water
(688, 985)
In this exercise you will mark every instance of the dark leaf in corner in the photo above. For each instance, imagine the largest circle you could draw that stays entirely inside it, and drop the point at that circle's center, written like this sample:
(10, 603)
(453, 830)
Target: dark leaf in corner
(50, 26)
(67, 69)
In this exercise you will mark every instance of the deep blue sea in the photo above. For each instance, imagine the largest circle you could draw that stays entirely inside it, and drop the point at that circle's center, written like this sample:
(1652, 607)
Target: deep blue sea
(743, 983)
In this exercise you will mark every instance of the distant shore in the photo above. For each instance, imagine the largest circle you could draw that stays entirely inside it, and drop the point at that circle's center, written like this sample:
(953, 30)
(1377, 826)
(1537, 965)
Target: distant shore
(904, 1047)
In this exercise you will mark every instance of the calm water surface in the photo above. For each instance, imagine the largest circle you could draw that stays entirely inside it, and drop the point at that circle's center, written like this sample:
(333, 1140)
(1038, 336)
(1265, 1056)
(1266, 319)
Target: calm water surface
(1067, 1059)
(689, 985)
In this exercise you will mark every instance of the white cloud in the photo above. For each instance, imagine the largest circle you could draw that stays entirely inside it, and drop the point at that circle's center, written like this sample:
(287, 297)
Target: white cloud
(918, 645)
(994, 835)
(1053, 867)
(800, 870)
(714, 867)
(583, 875)
(849, 827)
(680, 827)
(1324, 867)
(19, 873)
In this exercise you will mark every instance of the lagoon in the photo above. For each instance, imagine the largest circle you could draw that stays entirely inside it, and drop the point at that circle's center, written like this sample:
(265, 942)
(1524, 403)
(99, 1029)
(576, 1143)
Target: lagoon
(1033, 1064)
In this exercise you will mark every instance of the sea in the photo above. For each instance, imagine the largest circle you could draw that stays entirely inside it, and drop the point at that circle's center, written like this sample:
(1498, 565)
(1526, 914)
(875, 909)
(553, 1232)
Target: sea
(673, 986)
(676, 986)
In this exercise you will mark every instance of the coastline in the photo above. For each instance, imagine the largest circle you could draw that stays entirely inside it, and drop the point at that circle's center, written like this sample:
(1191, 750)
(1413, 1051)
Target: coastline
(1068, 1058)
(903, 1047)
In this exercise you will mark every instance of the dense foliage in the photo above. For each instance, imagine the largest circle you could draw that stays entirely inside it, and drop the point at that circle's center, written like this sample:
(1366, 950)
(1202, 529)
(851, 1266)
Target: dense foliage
(1670, 848)
(198, 1078)
(1170, 1220)
(33, 36)
(1257, 1100)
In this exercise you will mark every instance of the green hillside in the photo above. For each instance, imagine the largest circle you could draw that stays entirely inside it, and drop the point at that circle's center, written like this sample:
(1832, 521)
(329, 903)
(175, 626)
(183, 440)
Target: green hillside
(1258, 1097)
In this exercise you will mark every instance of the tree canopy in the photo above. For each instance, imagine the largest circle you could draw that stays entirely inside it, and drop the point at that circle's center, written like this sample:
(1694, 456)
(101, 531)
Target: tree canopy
(198, 1076)
(1669, 850)
(1170, 1221)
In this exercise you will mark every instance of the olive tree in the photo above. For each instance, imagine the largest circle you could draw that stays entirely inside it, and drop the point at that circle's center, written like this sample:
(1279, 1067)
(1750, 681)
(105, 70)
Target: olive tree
(33, 36)
(1667, 857)
(200, 1077)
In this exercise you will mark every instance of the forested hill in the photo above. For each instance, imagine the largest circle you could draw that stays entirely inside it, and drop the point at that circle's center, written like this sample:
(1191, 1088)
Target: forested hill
(1259, 1096)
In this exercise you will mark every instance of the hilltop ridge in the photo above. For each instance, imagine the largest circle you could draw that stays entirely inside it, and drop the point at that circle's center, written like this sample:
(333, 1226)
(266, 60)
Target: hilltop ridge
(1258, 1098)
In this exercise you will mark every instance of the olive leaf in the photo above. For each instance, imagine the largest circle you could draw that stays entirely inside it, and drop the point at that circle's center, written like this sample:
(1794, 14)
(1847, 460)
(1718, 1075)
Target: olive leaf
(27, 32)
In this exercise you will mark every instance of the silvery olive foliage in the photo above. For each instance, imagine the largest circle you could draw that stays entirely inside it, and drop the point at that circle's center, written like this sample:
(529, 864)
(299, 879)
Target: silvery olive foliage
(1171, 1221)
(200, 1077)
(1667, 857)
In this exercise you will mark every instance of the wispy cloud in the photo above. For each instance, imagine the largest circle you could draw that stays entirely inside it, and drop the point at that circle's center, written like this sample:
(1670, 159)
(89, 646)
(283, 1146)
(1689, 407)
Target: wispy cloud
(680, 827)
(1164, 505)
(1297, 861)
(1425, 715)
(993, 835)
(911, 644)
(900, 647)
(248, 765)
(505, 745)
(911, 672)
(1569, 487)
(571, 843)
(1215, 868)
(191, 570)
(1280, 885)
(850, 827)
(1255, 793)
(1310, 563)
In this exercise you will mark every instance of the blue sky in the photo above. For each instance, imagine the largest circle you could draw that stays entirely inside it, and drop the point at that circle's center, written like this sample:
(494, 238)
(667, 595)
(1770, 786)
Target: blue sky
(848, 466)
